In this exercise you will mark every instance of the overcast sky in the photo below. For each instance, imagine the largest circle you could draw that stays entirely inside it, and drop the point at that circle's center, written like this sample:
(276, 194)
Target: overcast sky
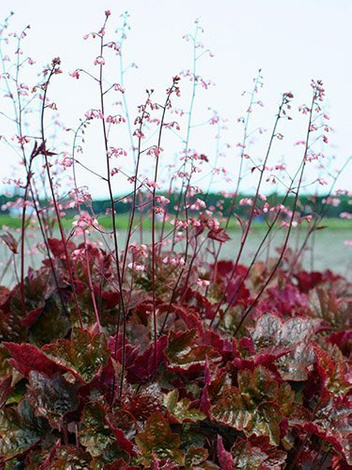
(291, 41)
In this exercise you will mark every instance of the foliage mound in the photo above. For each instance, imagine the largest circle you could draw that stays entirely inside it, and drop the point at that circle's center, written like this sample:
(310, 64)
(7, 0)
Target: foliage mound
(187, 389)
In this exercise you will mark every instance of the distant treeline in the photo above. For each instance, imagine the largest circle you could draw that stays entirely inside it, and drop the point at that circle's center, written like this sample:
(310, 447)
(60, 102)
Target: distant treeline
(307, 204)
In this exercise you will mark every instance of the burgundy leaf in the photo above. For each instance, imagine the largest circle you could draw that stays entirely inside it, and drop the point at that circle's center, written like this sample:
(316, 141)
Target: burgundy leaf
(225, 458)
(26, 357)
(219, 235)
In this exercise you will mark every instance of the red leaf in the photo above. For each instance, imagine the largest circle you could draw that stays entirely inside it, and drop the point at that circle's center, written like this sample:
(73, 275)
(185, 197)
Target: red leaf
(219, 235)
(342, 339)
(142, 404)
(143, 367)
(4, 294)
(225, 458)
(31, 317)
(307, 281)
(111, 298)
(26, 357)
(57, 247)
(124, 443)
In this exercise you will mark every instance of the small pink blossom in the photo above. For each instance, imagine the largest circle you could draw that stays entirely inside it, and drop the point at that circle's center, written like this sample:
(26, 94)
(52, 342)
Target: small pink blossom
(117, 152)
(94, 114)
(84, 221)
(162, 200)
(152, 184)
(75, 74)
(136, 266)
(118, 87)
(67, 162)
(246, 201)
(117, 119)
(346, 215)
(138, 133)
(22, 139)
(99, 60)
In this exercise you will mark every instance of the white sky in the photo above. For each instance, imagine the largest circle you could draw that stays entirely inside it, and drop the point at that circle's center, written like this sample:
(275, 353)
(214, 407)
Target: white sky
(291, 41)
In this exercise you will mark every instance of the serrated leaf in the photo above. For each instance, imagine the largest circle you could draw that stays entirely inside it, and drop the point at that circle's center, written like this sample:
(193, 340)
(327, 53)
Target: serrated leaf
(332, 369)
(20, 429)
(145, 402)
(181, 409)
(158, 440)
(332, 424)
(195, 456)
(99, 436)
(67, 458)
(52, 397)
(247, 457)
(41, 458)
(271, 333)
(84, 354)
(27, 357)
(253, 407)
(184, 353)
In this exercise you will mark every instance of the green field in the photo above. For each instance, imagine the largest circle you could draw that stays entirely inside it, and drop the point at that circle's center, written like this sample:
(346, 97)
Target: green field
(122, 221)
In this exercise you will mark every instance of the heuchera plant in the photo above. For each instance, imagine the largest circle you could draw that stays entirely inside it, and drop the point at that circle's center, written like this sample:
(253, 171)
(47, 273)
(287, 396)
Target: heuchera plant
(164, 355)
(275, 395)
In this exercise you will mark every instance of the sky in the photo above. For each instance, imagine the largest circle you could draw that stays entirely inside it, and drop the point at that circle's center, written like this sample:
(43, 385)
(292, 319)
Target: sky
(292, 42)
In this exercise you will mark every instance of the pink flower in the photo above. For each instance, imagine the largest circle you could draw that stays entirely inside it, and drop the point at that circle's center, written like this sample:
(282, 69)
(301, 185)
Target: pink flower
(346, 215)
(118, 87)
(75, 74)
(84, 221)
(22, 139)
(202, 282)
(94, 113)
(138, 133)
(137, 267)
(246, 201)
(99, 60)
(152, 184)
(114, 171)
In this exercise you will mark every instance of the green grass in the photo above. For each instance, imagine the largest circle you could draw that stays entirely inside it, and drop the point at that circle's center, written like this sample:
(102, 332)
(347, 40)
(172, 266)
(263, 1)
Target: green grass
(122, 221)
